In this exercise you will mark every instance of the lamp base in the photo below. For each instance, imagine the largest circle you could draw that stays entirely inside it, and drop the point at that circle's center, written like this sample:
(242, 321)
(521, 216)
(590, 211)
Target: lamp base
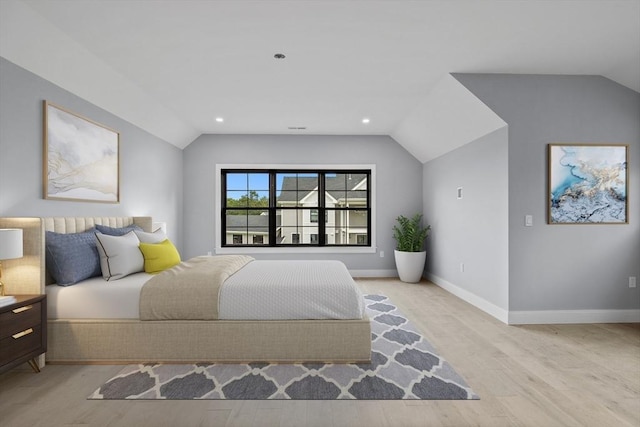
(1, 284)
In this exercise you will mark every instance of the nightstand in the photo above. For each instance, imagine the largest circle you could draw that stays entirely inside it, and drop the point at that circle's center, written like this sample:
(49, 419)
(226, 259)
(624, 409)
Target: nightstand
(23, 331)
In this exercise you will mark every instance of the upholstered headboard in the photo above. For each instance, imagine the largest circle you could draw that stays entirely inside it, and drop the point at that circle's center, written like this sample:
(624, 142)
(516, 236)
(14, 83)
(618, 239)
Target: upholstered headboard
(80, 224)
(28, 275)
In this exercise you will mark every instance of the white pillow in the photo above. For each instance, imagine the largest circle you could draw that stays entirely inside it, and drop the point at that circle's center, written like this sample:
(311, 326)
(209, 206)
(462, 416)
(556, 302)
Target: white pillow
(157, 236)
(119, 255)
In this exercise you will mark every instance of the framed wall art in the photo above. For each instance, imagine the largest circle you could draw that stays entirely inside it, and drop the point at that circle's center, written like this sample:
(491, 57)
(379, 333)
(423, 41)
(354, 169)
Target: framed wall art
(81, 158)
(588, 184)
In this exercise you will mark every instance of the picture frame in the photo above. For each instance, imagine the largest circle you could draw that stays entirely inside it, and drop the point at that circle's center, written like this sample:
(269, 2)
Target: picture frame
(588, 183)
(81, 158)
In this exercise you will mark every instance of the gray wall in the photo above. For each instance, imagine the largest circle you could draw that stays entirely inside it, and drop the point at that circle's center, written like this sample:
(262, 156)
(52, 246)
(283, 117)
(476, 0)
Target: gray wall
(472, 230)
(564, 267)
(399, 188)
(150, 168)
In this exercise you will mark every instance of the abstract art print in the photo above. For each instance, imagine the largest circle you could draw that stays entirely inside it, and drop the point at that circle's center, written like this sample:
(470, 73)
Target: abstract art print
(588, 184)
(81, 158)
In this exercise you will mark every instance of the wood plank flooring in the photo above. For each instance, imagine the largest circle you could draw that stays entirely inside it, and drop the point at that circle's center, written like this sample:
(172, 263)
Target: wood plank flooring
(543, 375)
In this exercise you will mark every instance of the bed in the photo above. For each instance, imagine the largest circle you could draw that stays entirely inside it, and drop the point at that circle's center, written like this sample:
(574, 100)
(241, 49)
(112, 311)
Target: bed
(95, 334)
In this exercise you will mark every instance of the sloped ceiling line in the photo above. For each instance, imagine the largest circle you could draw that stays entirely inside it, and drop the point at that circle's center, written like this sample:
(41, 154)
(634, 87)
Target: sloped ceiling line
(450, 117)
(151, 63)
(57, 57)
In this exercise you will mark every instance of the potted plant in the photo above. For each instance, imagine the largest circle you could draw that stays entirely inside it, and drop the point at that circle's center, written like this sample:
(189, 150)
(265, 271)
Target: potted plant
(410, 254)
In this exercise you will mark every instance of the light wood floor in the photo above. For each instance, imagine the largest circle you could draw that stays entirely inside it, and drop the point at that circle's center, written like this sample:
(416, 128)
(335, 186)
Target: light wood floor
(551, 375)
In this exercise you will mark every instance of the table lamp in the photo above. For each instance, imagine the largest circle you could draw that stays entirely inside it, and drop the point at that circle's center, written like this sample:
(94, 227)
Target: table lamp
(10, 248)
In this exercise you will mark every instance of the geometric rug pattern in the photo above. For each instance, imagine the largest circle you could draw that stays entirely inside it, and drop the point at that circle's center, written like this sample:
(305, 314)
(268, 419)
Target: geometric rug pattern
(403, 366)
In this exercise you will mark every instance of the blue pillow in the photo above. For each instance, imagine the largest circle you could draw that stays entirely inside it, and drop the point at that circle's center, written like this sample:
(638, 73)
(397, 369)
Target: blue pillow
(72, 257)
(113, 231)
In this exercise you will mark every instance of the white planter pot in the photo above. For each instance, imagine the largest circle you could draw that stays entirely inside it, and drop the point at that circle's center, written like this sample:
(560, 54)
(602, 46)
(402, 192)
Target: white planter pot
(410, 265)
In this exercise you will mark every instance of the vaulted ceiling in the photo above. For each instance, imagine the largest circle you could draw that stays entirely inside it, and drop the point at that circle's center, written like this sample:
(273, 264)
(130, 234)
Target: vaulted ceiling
(173, 66)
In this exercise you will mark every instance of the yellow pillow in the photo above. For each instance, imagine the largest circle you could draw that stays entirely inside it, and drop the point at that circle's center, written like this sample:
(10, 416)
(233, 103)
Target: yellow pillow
(159, 256)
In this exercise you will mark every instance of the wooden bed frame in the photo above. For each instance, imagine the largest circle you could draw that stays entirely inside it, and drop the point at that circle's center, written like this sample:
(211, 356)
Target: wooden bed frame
(187, 341)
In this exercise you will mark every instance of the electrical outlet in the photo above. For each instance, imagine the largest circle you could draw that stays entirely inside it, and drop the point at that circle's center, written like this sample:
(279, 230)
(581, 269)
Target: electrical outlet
(462, 267)
(381, 254)
(632, 281)
(209, 253)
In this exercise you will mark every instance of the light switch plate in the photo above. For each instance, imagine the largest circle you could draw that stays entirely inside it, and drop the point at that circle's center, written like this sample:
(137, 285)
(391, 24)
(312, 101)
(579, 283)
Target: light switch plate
(528, 220)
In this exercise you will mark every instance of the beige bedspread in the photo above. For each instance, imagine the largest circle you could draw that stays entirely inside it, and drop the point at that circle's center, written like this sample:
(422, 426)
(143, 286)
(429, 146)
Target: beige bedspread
(189, 291)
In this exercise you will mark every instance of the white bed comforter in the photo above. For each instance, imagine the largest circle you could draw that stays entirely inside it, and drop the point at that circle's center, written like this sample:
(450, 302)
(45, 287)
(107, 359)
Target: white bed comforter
(261, 290)
(284, 290)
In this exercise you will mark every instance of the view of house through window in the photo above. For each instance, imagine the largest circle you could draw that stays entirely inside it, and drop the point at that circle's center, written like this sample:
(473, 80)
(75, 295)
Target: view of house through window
(283, 207)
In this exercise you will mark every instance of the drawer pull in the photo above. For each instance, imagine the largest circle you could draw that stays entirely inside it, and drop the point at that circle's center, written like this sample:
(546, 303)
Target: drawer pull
(23, 333)
(21, 309)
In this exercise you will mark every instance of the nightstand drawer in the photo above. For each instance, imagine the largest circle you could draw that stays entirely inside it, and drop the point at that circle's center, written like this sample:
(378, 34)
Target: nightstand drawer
(19, 319)
(23, 331)
(20, 343)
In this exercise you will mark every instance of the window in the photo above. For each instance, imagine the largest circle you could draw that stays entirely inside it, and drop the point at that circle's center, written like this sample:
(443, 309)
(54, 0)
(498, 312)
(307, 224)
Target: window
(313, 216)
(282, 207)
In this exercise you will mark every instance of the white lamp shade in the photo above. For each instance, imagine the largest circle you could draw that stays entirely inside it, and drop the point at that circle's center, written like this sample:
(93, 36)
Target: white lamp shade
(10, 243)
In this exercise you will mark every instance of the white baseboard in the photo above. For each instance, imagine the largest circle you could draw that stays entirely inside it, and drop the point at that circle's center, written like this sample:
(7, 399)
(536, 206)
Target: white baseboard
(539, 317)
(373, 273)
(479, 302)
(573, 316)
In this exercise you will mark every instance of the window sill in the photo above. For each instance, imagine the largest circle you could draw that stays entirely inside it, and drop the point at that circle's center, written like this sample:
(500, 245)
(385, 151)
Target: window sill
(296, 250)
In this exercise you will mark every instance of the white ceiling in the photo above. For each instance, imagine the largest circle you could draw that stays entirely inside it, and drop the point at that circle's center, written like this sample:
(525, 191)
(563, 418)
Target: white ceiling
(173, 66)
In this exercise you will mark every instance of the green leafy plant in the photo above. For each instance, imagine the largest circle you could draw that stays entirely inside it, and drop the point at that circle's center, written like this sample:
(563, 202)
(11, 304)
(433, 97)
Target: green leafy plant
(409, 233)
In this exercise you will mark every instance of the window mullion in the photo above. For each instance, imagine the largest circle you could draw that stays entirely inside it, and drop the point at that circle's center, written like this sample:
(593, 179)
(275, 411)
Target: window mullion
(368, 206)
(321, 211)
(272, 209)
(223, 216)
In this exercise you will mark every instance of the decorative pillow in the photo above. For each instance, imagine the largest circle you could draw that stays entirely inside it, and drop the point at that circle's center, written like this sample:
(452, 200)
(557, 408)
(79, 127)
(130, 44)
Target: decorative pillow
(114, 231)
(119, 255)
(155, 237)
(159, 256)
(72, 257)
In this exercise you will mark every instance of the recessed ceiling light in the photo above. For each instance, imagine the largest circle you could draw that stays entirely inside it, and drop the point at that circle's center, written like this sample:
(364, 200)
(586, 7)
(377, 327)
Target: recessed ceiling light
(365, 120)
(219, 119)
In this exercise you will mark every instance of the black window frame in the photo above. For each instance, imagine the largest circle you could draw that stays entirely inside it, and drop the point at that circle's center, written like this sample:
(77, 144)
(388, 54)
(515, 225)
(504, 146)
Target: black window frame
(323, 212)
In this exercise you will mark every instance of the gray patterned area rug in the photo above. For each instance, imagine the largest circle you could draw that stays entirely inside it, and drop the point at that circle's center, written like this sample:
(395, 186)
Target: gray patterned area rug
(403, 366)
